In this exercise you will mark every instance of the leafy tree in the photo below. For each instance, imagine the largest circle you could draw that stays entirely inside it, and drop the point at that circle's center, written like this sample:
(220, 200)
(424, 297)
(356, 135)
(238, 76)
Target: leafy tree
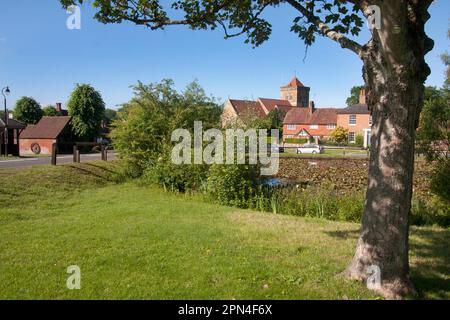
(110, 116)
(50, 111)
(340, 135)
(394, 71)
(275, 118)
(87, 109)
(433, 135)
(143, 129)
(354, 95)
(440, 180)
(27, 110)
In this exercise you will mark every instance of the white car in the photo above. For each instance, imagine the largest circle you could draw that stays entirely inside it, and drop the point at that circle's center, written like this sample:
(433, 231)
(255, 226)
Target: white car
(310, 148)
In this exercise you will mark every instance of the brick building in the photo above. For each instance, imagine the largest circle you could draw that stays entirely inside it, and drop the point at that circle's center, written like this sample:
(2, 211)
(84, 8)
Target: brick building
(12, 128)
(39, 138)
(357, 120)
(302, 118)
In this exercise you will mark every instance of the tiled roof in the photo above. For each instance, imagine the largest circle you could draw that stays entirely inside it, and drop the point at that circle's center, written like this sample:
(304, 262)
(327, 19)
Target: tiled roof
(304, 116)
(324, 116)
(12, 124)
(355, 109)
(46, 128)
(295, 83)
(297, 116)
(270, 104)
(243, 106)
(285, 109)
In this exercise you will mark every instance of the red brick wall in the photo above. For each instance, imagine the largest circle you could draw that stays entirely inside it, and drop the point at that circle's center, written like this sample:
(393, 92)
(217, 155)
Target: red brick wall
(362, 122)
(45, 144)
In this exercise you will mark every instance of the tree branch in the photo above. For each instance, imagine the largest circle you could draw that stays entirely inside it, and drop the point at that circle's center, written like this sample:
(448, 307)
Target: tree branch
(343, 41)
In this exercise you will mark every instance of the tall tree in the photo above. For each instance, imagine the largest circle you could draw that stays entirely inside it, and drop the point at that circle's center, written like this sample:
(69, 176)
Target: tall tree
(394, 71)
(87, 109)
(354, 95)
(27, 110)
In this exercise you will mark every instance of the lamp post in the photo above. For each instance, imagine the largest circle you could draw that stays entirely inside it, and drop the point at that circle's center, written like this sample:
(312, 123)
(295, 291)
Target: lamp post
(6, 92)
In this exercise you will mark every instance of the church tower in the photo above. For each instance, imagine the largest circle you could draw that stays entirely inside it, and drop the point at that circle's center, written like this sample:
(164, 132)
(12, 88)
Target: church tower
(296, 93)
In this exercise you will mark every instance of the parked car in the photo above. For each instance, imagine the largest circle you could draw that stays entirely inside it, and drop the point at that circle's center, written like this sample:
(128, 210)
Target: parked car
(310, 148)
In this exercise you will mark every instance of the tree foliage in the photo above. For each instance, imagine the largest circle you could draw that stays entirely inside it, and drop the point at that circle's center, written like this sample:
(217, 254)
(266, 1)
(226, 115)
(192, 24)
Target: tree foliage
(433, 135)
(328, 18)
(27, 110)
(340, 135)
(86, 107)
(143, 129)
(50, 111)
(354, 95)
(110, 116)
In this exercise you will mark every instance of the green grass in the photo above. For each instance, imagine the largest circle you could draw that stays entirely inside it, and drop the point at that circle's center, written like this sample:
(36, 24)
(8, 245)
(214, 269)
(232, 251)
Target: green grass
(142, 243)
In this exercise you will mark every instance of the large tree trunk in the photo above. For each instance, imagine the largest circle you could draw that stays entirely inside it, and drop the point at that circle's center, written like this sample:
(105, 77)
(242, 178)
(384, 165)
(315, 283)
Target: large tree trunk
(394, 72)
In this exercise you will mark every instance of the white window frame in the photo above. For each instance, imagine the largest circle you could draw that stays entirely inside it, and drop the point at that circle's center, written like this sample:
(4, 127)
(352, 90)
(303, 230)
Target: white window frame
(370, 120)
(314, 126)
(292, 127)
(331, 126)
(350, 122)
(352, 134)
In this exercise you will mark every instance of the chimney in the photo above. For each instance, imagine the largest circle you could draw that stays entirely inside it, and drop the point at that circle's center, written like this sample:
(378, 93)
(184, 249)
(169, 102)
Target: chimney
(312, 107)
(58, 107)
(362, 96)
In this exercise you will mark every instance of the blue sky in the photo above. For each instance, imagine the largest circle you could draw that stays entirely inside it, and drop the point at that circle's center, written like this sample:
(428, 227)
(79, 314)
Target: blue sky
(41, 58)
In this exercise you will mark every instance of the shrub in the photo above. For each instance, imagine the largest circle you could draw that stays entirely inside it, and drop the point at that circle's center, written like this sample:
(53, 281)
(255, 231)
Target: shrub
(233, 185)
(440, 180)
(176, 178)
(142, 129)
(432, 211)
(359, 140)
(297, 140)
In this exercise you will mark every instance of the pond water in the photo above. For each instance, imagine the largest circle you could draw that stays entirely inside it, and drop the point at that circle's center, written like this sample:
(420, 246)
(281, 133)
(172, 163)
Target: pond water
(283, 182)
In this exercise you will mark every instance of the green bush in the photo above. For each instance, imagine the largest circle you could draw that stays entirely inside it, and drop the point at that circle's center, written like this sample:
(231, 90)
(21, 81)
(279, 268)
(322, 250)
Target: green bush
(359, 140)
(432, 211)
(440, 180)
(142, 129)
(233, 185)
(176, 178)
(297, 140)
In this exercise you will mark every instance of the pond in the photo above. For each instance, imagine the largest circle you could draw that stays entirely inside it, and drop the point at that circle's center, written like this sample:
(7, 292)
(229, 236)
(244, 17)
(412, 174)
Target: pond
(277, 182)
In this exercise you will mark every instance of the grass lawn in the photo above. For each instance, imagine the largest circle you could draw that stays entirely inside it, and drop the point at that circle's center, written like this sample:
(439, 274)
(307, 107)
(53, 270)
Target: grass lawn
(135, 242)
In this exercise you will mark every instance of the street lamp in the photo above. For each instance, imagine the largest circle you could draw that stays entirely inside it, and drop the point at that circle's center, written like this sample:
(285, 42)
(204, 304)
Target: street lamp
(6, 92)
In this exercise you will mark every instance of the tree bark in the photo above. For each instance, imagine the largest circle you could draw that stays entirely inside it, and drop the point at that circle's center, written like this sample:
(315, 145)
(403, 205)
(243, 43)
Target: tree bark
(394, 72)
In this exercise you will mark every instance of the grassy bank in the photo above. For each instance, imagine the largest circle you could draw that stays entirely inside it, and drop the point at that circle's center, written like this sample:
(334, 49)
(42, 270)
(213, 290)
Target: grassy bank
(135, 242)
